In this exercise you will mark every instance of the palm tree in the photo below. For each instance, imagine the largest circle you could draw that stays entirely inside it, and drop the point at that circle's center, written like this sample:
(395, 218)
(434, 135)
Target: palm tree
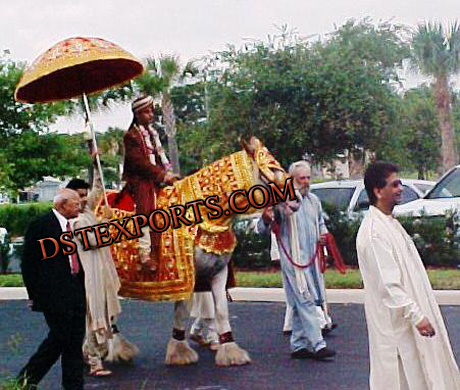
(436, 53)
(159, 79)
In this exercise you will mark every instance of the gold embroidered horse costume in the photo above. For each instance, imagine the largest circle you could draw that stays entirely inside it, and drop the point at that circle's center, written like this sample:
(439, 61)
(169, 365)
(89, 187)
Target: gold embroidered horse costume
(184, 250)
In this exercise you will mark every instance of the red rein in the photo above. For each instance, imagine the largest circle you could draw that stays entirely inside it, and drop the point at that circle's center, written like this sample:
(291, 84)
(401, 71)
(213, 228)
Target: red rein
(319, 253)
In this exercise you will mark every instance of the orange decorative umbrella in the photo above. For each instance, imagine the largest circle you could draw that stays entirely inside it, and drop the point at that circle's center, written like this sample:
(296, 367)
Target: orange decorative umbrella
(74, 67)
(77, 67)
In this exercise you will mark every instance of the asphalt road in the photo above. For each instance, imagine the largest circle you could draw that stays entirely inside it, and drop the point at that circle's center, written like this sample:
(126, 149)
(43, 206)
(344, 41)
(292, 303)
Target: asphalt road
(257, 328)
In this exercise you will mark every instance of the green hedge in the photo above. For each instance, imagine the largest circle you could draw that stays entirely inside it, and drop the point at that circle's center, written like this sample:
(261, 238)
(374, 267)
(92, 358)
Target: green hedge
(437, 240)
(17, 217)
(252, 250)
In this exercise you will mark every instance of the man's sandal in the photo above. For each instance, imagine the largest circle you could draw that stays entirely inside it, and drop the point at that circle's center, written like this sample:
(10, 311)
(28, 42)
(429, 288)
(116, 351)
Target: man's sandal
(100, 372)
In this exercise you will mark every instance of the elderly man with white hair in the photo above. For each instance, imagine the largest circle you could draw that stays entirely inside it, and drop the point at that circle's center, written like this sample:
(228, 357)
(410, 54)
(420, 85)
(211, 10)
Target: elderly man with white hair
(302, 185)
(55, 286)
(301, 226)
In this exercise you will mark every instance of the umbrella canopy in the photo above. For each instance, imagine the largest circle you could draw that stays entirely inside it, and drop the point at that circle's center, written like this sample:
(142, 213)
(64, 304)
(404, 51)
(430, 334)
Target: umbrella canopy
(76, 66)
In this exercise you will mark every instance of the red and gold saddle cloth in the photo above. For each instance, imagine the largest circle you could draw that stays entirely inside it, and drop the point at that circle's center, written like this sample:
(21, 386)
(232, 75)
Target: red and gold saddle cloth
(175, 277)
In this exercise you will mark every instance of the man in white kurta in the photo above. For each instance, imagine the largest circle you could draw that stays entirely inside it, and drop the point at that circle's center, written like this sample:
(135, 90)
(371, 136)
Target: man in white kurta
(101, 279)
(408, 342)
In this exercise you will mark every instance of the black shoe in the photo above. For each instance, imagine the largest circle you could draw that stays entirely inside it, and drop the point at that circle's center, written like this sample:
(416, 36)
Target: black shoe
(287, 332)
(327, 331)
(301, 354)
(322, 354)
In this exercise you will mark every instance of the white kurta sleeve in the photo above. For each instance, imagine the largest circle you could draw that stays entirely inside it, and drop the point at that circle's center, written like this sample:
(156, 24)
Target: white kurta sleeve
(262, 227)
(321, 223)
(386, 268)
(95, 192)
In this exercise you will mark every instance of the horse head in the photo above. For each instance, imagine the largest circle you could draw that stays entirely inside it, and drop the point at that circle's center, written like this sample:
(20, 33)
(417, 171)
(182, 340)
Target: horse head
(269, 168)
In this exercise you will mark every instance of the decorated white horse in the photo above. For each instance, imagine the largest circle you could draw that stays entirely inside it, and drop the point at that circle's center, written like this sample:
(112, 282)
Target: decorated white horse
(199, 251)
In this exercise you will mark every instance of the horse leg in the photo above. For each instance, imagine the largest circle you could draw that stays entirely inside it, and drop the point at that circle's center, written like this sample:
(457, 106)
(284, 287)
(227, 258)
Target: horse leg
(203, 330)
(178, 351)
(229, 353)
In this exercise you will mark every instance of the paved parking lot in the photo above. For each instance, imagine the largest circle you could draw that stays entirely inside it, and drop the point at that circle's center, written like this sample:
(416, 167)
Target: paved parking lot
(257, 327)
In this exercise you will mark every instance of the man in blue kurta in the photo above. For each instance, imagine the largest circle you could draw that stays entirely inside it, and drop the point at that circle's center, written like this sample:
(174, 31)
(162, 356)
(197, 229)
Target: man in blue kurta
(301, 226)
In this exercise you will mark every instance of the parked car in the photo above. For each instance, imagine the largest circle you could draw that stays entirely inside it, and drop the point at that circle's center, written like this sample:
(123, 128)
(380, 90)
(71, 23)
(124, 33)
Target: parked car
(351, 196)
(443, 197)
(347, 195)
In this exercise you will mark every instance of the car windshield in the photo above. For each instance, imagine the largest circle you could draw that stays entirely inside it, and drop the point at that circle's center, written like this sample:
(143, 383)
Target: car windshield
(337, 197)
(448, 187)
(423, 187)
(408, 195)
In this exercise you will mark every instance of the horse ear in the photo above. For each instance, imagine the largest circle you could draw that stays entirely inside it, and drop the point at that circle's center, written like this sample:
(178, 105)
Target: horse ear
(246, 146)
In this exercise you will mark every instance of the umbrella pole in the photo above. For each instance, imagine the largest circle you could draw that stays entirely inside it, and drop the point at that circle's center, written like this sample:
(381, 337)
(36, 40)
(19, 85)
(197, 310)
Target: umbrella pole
(93, 135)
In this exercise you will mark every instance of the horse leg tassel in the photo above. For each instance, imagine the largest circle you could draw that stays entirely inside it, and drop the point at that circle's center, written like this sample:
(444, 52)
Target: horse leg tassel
(229, 353)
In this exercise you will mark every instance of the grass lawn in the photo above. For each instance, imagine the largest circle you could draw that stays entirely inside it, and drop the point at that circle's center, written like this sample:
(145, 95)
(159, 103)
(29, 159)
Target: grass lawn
(11, 280)
(441, 279)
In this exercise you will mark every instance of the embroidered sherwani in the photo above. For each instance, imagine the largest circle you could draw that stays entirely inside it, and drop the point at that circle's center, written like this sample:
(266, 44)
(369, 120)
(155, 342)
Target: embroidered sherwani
(398, 295)
(143, 177)
(303, 286)
(143, 172)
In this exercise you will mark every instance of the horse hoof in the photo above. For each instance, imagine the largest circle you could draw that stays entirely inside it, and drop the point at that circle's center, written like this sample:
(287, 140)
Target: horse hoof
(179, 353)
(120, 349)
(230, 354)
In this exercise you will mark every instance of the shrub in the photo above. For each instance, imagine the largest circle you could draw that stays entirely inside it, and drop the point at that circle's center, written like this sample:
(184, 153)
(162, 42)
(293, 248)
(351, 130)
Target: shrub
(436, 238)
(252, 250)
(17, 217)
(344, 230)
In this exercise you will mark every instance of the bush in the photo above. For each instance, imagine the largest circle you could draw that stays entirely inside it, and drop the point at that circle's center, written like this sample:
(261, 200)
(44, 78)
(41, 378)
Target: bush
(252, 250)
(344, 230)
(17, 217)
(436, 238)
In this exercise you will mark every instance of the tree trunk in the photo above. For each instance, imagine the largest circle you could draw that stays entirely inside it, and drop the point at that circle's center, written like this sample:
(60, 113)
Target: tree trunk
(170, 127)
(174, 154)
(443, 104)
(356, 164)
(421, 173)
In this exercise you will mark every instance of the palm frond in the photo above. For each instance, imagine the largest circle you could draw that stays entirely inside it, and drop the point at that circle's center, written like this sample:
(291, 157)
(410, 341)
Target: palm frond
(453, 46)
(150, 82)
(170, 68)
(435, 52)
(151, 65)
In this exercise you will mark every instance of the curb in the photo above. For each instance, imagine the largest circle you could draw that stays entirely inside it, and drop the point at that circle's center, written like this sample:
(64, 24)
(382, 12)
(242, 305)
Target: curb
(252, 294)
(344, 296)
